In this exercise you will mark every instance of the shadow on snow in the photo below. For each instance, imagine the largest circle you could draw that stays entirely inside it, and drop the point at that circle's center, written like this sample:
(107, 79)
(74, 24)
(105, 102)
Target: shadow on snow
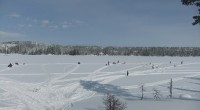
(195, 83)
(107, 88)
(194, 78)
(189, 90)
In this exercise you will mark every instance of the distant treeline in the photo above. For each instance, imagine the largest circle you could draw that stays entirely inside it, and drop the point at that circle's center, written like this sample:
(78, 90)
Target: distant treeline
(33, 48)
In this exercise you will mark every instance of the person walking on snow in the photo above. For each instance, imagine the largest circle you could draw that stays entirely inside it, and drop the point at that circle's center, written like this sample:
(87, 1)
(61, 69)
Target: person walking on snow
(127, 73)
(181, 62)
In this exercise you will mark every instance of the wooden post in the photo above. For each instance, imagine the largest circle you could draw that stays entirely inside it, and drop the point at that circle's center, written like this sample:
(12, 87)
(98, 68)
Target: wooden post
(170, 88)
(142, 92)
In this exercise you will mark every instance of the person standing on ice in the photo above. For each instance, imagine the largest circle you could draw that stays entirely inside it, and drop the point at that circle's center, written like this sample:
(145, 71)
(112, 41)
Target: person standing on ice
(152, 67)
(72, 105)
(10, 65)
(181, 62)
(127, 73)
(108, 63)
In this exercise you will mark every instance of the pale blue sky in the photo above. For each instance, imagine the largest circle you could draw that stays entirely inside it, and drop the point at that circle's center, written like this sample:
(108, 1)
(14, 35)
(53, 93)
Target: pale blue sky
(100, 22)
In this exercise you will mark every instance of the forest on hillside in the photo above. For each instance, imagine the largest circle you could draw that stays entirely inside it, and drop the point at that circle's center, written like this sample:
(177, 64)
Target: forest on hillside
(34, 48)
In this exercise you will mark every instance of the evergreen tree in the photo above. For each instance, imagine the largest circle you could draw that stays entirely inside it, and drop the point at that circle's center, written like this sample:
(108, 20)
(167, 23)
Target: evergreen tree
(197, 4)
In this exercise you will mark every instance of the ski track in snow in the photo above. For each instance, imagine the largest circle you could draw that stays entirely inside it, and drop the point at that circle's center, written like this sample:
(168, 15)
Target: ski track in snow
(50, 95)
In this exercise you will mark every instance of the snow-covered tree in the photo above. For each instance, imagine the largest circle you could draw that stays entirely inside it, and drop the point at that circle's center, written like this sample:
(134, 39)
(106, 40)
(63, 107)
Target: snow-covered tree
(156, 94)
(112, 103)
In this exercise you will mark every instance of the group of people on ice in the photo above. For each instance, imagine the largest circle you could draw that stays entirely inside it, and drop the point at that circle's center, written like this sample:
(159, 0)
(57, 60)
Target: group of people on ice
(127, 73)
(175, 64)
(11, 65)
(114, 63)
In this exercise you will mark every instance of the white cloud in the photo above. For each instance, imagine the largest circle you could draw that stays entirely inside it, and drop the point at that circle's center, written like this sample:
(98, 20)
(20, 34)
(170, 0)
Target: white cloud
(53, 27)
(30, 25)
(72, 23)
(28, 19)
(45, 22)
(66, 22)
(78, 21)
(65, 26)
(14, 15)
(35, 20)
(11, 36)
(8, 34)
(21, 25)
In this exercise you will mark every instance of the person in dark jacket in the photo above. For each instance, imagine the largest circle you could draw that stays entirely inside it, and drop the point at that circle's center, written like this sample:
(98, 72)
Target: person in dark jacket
(10, 65)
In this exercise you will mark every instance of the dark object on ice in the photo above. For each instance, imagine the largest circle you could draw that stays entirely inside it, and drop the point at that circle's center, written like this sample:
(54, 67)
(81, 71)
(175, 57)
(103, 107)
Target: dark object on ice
(118, 61)
(170, 88)
(142, 90)
(127, 73)
(16, 63)
(79, 62)
(72, 105)
(114, 62)
(157, 67)
(108, 63)
(152, 67)
(181, 62)
(36, 90)
(23, 63)
(10, 65)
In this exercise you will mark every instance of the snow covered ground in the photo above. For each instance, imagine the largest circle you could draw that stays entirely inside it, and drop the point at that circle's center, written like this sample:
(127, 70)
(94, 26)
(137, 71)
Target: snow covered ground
(60, 83)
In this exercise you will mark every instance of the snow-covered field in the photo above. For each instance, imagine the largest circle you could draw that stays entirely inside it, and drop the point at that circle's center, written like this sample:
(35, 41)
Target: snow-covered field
(60, 83)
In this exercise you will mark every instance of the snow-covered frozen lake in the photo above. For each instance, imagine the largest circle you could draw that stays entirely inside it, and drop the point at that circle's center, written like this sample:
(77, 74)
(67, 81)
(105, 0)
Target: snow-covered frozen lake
(50, 82)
